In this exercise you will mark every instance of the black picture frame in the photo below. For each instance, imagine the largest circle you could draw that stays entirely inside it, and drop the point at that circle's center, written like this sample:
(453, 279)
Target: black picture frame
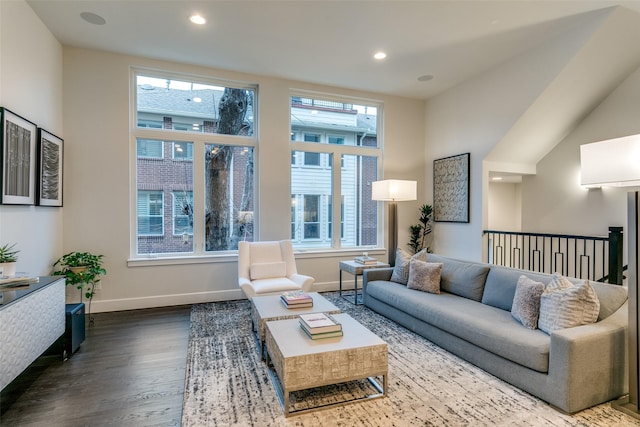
(451, 197)
(50, 167)
(19, 162)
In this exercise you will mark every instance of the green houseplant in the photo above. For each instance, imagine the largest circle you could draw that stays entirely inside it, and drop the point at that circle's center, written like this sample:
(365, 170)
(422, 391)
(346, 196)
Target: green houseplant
(8, 259)
(82, 270)
(419, 233)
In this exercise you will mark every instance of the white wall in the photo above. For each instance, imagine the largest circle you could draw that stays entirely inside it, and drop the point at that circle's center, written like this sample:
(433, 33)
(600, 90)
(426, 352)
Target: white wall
(505, 201)
(97, 200)
(554, 201)
(31, 86)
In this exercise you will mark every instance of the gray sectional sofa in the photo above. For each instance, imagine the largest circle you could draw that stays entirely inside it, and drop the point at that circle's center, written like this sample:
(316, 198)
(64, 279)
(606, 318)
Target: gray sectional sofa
(571, 369)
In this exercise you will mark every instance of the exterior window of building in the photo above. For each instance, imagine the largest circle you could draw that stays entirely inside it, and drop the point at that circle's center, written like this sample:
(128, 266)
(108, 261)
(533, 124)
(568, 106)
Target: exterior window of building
(311, 216)
(182, 151)
(182, 124)
(150, 213)
(311, 159)
(348, 131)
(150, 149)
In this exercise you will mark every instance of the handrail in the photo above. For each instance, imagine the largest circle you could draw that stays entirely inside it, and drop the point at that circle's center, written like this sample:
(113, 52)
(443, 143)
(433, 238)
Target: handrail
(587, 257)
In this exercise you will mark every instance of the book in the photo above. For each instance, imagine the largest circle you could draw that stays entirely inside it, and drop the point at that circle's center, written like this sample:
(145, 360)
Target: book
(296, 306)
(17, 280)
(322, 335)
(365, 260)
(296, 298)
(319, 322)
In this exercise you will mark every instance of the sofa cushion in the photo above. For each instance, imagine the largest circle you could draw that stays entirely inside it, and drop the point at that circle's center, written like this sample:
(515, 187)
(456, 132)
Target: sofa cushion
(267, 270)
(526, 302)
(424, 276)
(564, 304)
(401, 268)
(462, 278)
(500, 286)
(487, 327)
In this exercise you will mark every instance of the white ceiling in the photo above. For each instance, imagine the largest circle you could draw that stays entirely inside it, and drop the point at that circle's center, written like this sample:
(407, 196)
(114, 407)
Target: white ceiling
(325, 42)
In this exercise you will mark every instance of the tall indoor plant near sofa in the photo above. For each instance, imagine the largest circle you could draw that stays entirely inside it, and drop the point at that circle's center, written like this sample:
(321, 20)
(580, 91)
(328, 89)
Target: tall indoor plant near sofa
(82, 270)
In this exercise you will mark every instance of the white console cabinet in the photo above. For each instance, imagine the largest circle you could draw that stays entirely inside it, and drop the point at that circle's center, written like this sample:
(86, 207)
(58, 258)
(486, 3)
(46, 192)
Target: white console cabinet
(31, 320)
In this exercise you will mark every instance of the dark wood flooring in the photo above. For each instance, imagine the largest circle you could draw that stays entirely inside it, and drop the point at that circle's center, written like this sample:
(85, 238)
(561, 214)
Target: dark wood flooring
(128, 372)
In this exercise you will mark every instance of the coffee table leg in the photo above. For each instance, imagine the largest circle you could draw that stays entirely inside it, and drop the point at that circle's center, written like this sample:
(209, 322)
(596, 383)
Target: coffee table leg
(286, 403)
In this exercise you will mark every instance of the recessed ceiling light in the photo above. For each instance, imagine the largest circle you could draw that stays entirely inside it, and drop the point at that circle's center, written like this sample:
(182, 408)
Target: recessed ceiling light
(197, 19)
(196, 99)
(380, 55)
(92, 18)
(425, 78)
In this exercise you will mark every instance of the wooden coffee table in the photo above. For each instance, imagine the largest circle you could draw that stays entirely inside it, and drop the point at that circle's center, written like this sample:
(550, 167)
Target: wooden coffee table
(268, 308)
(301, 363)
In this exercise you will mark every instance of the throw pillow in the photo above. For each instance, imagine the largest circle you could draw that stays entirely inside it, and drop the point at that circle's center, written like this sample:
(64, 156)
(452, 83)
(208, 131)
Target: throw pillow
(424, 276)
(526, 302)
(267, 270)
(565, 305)
(400, 272)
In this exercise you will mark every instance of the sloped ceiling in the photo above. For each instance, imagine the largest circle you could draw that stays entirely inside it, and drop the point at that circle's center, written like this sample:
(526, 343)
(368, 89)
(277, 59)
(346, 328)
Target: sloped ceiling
(605, 52)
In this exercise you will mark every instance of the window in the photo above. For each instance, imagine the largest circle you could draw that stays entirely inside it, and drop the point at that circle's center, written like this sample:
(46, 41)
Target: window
(182, 216)
(182, 151)
(311, 217)
(150, 213)
(149, 148)
(181, 126)
(344, 130)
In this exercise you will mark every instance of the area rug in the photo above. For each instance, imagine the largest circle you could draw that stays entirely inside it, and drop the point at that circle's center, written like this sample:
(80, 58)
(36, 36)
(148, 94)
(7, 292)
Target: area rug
(227, 383)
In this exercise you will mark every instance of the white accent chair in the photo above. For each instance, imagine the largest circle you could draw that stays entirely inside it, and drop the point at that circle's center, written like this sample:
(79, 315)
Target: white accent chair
(269, 268)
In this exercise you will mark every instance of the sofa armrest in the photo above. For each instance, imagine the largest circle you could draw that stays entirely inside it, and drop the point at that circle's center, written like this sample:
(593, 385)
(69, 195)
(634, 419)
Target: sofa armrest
(589, 362)
(369, 275)
(247, 288)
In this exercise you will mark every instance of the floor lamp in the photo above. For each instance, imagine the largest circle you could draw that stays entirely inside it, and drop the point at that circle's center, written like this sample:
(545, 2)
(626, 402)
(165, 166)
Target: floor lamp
(616, 162)
(392, 191)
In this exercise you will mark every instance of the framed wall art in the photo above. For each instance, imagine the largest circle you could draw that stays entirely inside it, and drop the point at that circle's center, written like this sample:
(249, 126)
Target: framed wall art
(18, 159)
(49, 169)
(451, 188)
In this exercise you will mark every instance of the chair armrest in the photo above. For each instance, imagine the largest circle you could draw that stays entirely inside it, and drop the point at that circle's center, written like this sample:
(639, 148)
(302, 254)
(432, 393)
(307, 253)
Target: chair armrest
(589, 362)
(305, 282)
(247, 288)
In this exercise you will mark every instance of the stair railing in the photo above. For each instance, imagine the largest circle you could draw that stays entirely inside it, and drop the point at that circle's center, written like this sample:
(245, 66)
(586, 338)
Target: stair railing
(596, 258)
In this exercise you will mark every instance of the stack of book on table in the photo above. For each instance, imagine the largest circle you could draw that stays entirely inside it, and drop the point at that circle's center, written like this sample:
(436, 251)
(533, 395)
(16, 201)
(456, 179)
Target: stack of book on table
(296, 300)
(17, 282)
(366, 260)
(320, 325)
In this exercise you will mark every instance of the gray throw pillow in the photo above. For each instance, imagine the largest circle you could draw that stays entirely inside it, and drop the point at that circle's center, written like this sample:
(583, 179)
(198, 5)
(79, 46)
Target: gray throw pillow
(526, 302)
(565, 305)
(401, 269)
(424, 276)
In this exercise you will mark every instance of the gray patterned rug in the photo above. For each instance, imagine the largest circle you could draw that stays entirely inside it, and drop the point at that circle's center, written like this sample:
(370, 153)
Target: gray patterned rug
(228, 385)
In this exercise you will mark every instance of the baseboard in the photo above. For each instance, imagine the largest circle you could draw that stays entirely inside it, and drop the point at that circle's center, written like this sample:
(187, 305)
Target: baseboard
(103, 306)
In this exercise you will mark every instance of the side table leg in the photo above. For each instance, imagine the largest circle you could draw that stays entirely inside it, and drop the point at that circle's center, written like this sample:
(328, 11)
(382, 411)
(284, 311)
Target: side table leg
(355, 289)
(340, 289)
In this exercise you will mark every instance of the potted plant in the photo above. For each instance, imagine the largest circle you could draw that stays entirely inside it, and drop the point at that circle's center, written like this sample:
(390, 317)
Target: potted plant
(419, 233)
(82, 270)
(8, 259)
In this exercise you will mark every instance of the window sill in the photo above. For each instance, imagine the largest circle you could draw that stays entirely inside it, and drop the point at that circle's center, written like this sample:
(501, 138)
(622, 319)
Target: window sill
(227, 257)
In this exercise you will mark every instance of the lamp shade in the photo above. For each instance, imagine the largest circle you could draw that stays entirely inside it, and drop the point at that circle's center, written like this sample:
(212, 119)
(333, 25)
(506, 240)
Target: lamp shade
(614, 162)
(394, 190)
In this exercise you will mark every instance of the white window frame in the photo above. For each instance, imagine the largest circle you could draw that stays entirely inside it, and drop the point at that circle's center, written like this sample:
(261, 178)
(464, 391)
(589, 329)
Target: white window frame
(199, 139)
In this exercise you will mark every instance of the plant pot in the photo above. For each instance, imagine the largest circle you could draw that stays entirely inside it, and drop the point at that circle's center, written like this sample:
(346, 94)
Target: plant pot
(79, 269)
(7, 269)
